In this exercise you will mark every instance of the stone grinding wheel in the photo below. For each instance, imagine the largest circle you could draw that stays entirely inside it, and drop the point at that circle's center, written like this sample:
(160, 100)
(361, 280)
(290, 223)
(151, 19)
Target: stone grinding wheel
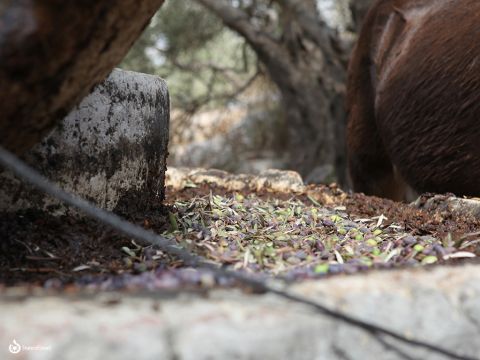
(111, 149)
(52, 53)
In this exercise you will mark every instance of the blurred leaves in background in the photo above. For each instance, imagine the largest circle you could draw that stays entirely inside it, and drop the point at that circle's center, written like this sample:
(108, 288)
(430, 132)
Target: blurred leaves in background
(254, 83)
(205, 63)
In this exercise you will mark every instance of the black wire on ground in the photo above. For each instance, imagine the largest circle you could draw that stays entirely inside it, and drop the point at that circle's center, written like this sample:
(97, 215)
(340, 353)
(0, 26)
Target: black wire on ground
(10, 161)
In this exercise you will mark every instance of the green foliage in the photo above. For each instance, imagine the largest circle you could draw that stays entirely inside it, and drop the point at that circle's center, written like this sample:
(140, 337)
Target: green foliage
(203, 62)
(186, 26)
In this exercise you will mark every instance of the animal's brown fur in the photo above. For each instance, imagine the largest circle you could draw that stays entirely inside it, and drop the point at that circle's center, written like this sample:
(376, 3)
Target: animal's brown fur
(414, 99)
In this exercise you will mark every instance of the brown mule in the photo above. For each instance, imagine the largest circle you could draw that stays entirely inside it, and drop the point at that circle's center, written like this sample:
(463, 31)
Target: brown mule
(414, 99)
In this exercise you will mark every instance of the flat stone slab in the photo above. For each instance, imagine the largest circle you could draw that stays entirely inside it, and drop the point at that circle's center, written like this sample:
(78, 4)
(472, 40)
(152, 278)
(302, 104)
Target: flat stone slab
(438, 305)
(111, 149)
(270, 180)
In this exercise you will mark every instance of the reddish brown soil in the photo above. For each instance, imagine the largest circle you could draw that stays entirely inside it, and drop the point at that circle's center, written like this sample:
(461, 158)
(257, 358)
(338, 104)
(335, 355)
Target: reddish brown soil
(36, 246)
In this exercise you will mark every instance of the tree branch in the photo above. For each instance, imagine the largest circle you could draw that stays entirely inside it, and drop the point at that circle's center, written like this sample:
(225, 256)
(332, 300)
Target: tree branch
(317, 31)
(235, 18)
(313, 26)
(208, 98)
(266, 47)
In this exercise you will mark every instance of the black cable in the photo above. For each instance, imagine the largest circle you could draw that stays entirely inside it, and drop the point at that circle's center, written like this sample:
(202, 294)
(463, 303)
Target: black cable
(10, 161)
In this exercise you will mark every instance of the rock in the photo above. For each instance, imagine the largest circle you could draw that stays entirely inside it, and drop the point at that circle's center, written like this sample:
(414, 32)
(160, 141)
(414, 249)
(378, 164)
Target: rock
(450, 204)
(271, 180)
(280, 180)
(469, 207)
(111, 149)
(51, 55)
(437, 305)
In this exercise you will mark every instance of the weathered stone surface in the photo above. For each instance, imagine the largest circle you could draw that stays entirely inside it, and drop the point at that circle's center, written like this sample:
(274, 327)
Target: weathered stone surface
(439, 305)
(53, 52)
(451, 204)
(110, 149)
(271, 180)
(280, 180)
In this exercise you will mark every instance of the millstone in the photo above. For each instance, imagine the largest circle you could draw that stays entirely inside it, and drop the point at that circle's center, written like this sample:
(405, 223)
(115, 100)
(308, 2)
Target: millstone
(111, 149)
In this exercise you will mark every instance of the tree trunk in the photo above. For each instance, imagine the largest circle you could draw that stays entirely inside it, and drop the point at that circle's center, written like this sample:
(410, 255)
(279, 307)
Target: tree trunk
(314, 108)
(359, 9)
(309, 68)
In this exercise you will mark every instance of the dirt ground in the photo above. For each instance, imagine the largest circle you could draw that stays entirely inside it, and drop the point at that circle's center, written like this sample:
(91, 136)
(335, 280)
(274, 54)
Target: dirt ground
(67, 252)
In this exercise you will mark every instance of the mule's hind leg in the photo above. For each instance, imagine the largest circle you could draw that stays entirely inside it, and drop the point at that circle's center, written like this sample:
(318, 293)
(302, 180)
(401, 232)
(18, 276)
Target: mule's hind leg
(370, 169)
